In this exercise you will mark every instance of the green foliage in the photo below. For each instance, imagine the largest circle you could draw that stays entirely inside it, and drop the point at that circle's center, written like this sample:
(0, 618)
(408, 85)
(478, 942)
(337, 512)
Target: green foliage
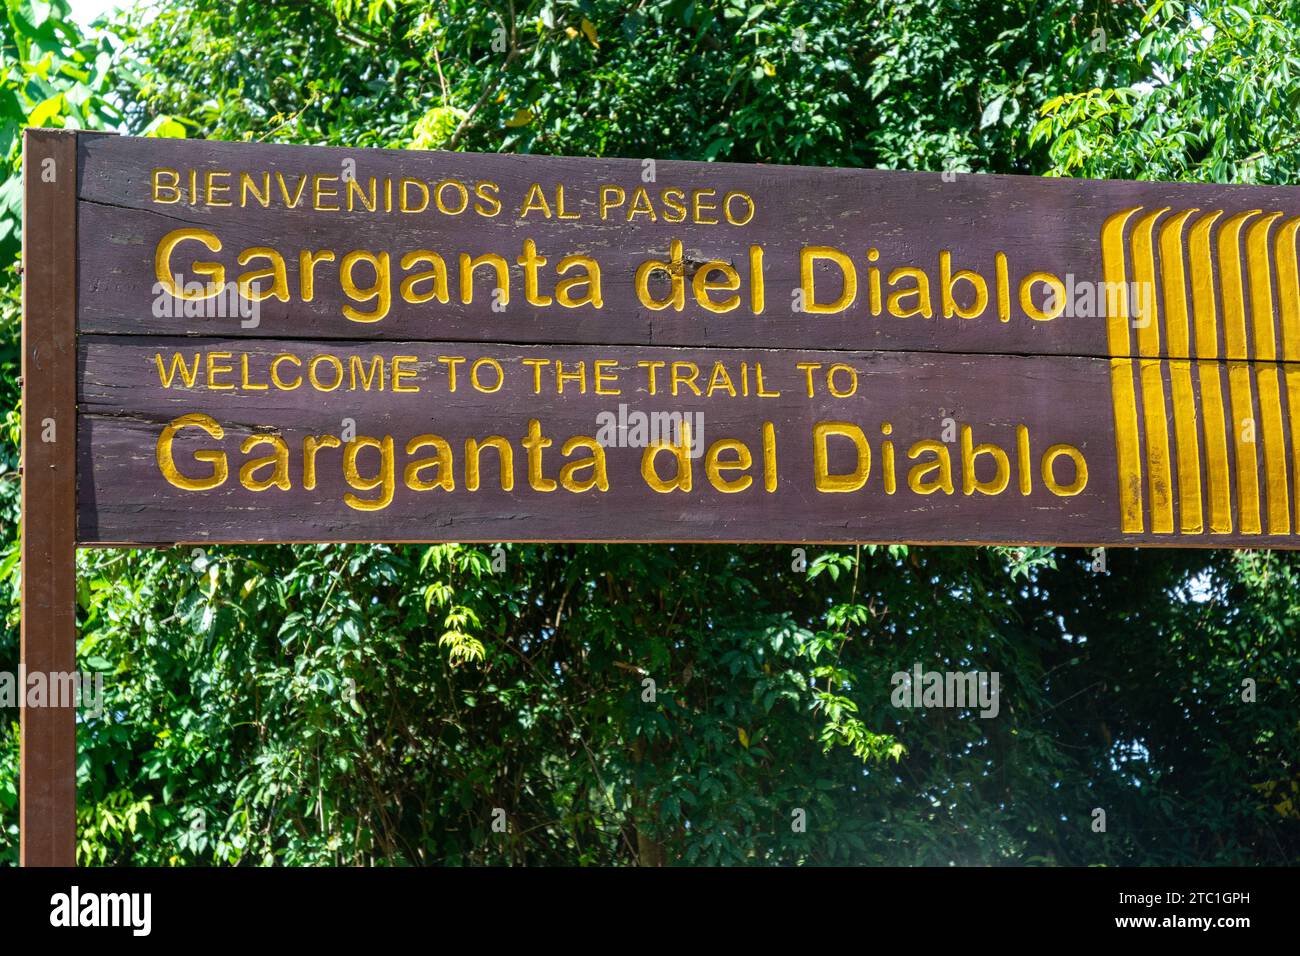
(50, 75)
(1218, 102)
(376, 705)
(946, 85)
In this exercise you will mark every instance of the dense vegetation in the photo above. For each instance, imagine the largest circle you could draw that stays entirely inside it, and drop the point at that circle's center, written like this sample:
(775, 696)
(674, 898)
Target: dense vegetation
(307, 705)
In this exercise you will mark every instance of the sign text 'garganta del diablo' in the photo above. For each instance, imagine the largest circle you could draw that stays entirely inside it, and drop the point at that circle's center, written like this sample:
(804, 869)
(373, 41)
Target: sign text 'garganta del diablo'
(301, 344)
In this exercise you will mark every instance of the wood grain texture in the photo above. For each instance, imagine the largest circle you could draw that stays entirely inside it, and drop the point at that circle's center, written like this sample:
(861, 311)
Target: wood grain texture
(47, 775)
(1170, 371)
(909, 219)
(923, 397)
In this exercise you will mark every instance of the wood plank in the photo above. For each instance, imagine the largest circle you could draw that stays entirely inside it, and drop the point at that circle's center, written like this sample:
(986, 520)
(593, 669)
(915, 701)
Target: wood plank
(1164, 357)
(1025, 409)
(47, 775)
(953, 229)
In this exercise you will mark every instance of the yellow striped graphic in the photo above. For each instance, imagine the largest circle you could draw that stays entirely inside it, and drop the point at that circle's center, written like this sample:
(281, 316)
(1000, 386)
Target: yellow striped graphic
(1203, 305)
(1206, 321)
(1155, 418)
(1275, 483)
(1244, 431)
(1288, 288)
(1261, 288)
(1190, 517)
(1266, 376)
(1179, 347)
(1175, 285)
(1234, 296)
(1288, 301)
(1147, 320)
(1216, 449)
(1200, 295)
(1123, 397)
(1243, 436)
(1157, 435)
(1293, 404)
(1178, 344)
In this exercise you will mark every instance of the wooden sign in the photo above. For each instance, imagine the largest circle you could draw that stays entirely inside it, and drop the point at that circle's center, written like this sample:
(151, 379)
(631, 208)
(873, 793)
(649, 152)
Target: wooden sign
(300, 344)
(245, 343)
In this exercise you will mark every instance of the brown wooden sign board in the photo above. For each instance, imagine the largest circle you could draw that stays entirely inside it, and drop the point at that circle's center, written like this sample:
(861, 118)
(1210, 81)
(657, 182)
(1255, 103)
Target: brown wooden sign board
(863, 355)
(258, 343)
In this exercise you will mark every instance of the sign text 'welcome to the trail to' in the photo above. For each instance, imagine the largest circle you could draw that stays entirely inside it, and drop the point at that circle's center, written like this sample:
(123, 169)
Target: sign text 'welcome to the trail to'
(303, 344)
